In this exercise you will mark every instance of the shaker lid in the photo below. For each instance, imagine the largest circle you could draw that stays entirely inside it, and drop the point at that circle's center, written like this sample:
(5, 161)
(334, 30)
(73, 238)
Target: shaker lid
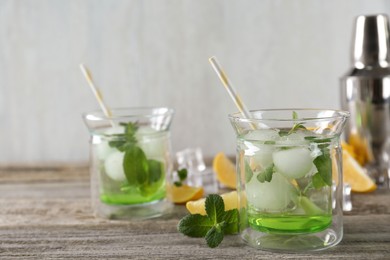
(371, 47)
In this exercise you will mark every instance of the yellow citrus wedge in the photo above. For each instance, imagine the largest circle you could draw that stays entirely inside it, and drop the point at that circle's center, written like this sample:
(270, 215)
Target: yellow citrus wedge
(225, 170)
(350, 149)
(362, 152)
(355, 175)
(230, 200)
(184, 193)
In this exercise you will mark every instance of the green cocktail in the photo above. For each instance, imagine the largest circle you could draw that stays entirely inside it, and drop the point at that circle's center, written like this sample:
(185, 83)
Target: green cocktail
(289, 167)
(130, 162)
(288, 180)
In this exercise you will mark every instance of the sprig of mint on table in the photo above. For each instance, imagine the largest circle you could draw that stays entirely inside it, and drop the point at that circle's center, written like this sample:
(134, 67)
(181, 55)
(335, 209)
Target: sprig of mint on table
(140, 171)
(214, 225)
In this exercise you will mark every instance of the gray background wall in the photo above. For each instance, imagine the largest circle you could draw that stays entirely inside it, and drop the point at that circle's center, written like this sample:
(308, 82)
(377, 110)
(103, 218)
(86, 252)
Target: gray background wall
(155, 53)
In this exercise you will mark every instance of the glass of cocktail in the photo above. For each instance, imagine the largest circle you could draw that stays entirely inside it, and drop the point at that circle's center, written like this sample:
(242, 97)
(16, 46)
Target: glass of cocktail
(290, 178)
(130, 162)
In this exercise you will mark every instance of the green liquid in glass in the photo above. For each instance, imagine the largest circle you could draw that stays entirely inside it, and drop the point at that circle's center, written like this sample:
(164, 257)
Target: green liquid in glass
(297, 199)
(147, 165)
(131, 198)
(289, 224)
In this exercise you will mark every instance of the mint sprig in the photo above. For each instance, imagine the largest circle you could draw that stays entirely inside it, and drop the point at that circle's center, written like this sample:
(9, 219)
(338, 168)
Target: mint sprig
(141, 172)
(296, 126)
(214, 225)
(127, 139)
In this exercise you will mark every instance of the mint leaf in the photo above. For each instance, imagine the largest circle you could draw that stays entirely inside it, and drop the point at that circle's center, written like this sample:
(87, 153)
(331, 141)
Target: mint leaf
(195, 225)
(248, 172)
(214, 236)
(297, 125)
(214, 207)
(214, 226)
(156, 170)
(317, 181)
(125, 140)
(135, 166)
(182, 174)
(118, 144)
(230, 218)
(155, 177)
(266, 174)
(324, 175)
(130, 130)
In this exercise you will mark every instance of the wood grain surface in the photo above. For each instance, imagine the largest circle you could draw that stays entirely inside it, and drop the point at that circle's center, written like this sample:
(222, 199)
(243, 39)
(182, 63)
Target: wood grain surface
(46, 214)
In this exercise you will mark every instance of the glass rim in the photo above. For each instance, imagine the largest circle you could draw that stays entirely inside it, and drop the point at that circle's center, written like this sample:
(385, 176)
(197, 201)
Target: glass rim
(337, 114)
(133, 112)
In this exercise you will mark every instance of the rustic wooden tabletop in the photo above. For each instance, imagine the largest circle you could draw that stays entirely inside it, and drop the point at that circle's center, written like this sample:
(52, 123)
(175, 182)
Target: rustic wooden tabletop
(45, 213)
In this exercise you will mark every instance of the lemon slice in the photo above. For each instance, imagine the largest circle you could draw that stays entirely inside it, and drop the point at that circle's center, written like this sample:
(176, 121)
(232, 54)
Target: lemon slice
(184, 193)
(362, 152)
(225, 170)
(355, 175)
(230, 200)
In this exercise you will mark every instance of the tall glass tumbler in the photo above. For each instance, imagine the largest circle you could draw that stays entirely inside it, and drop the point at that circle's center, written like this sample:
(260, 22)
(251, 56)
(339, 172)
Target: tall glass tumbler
(130, 162)
(290, 184)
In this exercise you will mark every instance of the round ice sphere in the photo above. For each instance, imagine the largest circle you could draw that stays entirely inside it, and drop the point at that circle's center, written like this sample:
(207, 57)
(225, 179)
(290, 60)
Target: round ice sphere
(262, 135)
(114, 166)
(262, 158)
(274, 196)
(152, 142)
(293, 163)
(103, 150)
(293, 139)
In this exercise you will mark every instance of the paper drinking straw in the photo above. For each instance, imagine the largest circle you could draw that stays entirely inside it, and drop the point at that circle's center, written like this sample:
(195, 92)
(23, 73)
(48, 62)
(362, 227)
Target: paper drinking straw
(230, 89)
(88, 76)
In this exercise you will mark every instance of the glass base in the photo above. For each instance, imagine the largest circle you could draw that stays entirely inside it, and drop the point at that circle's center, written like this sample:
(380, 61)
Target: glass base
(292, 243)
(132, 212)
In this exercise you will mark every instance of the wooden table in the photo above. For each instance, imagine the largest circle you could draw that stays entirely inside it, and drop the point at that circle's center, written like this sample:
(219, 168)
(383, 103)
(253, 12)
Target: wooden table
(45, 213)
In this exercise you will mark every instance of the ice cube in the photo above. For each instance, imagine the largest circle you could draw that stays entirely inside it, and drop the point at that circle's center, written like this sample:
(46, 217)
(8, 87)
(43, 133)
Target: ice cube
(114, 166)
(274, 196)
(103, 149)
(152, 142)
(293, 163)
(293, 139)
(262, 158)
(263, 135)
(254, 144)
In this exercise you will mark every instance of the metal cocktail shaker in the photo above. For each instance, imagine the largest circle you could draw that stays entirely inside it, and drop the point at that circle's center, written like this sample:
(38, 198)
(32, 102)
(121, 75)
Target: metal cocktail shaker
(365, 92)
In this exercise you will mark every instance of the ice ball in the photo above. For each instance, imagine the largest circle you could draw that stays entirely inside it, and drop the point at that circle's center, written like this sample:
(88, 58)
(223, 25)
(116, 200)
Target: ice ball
(293, 163)
(114, 166)
(274, 196)
(152, 142)
(103, 148)
(262, 135)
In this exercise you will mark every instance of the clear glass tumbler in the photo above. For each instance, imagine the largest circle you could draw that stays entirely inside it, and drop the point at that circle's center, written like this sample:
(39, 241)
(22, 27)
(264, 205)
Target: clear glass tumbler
(130, 162)
(290, 178)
